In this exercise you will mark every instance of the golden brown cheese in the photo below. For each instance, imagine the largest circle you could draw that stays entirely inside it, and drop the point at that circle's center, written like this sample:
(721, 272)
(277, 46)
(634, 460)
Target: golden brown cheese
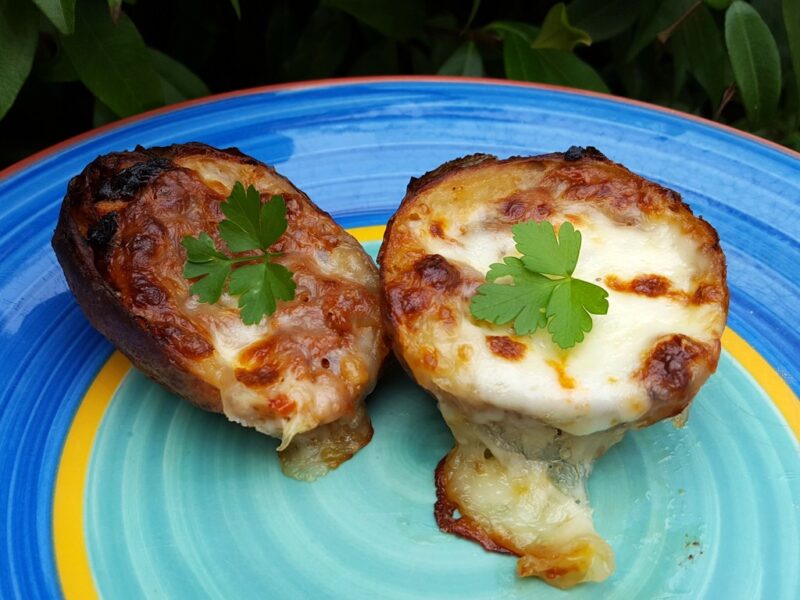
(529, 418)
(300, 374)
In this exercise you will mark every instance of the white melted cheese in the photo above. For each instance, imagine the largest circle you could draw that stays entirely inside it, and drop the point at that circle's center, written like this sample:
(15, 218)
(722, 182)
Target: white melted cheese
(603, 367)
(530, 418)
(525, 483)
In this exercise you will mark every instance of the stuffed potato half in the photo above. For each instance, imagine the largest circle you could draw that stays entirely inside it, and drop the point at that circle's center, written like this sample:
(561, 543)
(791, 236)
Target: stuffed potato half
(529, 418)
(300, 374)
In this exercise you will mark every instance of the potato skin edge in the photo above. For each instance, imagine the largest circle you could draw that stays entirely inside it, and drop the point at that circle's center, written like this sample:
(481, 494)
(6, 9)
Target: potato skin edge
(672, 201)
(103, 309)
(106, 313)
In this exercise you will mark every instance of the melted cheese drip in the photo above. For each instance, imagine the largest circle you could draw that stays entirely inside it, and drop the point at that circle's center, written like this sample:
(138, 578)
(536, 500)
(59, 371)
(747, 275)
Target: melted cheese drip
(606, 390)
(525, 483)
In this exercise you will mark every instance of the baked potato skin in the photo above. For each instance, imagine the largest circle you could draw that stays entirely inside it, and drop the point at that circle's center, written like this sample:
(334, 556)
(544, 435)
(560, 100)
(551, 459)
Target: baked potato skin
(502, 477)
(102, 304)
(415, 282)
(311, 363)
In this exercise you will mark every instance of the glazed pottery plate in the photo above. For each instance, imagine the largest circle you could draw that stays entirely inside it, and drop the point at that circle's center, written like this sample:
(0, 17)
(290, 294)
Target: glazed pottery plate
(111, 487)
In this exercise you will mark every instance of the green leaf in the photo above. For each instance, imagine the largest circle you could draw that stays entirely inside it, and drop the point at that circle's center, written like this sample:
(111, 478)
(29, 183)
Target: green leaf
(207, 263)
(112, 61)
(208, 288)
(791, 17)
(772, 13)
(567, 311)
(241, 229)
(697, 42)
(237, 9)
(396, 20)
(473, 11)
(466, 61)
(666, 14)
(101, 114)
(177, 81)
(18, 37)
(380, 59)
(201, 249)
(718, 4)
(321, 46)
(523, 303)
(259, 287)
(115, 8)
(61, 13)
(58, 69)
(557, 33)
(505, 29)
(567, 321)
(548, 66)
(542, 252)
(604, 19)
(755, 61)
(250, 225)
(272, 221)
(543, 293)
(510, 267)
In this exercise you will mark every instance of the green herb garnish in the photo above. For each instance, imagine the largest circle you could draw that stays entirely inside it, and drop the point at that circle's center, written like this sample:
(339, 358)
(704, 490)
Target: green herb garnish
(250, 225)
(544, 292)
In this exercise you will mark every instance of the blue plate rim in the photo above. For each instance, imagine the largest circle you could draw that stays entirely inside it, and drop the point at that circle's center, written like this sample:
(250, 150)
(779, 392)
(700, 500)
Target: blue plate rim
(51, 151)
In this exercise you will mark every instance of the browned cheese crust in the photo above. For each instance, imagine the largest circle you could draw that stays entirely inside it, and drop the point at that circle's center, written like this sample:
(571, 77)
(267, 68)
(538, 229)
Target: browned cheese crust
(421, 288)
(118, 240)
(498, 390)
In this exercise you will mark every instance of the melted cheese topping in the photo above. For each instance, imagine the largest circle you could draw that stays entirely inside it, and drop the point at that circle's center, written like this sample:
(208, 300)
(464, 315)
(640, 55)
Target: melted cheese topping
(604, 369)
(530, 418)
(303, 372)
(318, 399)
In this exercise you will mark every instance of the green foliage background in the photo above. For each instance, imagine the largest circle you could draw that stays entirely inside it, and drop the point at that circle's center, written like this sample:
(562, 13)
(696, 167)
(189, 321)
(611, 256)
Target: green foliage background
(68, 65)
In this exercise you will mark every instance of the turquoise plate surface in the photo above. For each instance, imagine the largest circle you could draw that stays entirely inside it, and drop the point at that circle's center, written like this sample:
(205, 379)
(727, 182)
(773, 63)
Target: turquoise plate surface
(172, 502)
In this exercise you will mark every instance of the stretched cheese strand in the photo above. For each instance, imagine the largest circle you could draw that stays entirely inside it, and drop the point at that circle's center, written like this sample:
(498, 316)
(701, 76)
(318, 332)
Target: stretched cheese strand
(524, 483)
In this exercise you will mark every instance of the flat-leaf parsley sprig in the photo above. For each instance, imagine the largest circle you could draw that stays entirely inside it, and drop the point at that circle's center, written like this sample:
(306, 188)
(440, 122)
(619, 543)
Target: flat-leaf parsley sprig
(544, 292)
(250, 225)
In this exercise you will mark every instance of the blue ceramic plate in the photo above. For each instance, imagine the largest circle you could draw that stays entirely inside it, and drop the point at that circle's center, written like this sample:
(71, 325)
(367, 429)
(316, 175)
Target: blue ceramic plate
(111, 487)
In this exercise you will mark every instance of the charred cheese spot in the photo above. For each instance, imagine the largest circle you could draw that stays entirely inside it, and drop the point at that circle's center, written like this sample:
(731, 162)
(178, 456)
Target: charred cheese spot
(437, 229)
(128, 181)
(646, 285)
(447, 314)
(305, 368)
(407, 302)
(525, 206)
(184, 338)
(658, 285)
(505, 347)
(435, 272)
(100, 234)
(261, 375)
(709, 293)
(670, 374)
(529, 419)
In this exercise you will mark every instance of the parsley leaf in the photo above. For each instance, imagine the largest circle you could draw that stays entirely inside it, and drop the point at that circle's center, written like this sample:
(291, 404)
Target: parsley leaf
(259, 287)
(207, 263)
(544, 293)
(569, 308)
(250, 225)
(542, 252)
